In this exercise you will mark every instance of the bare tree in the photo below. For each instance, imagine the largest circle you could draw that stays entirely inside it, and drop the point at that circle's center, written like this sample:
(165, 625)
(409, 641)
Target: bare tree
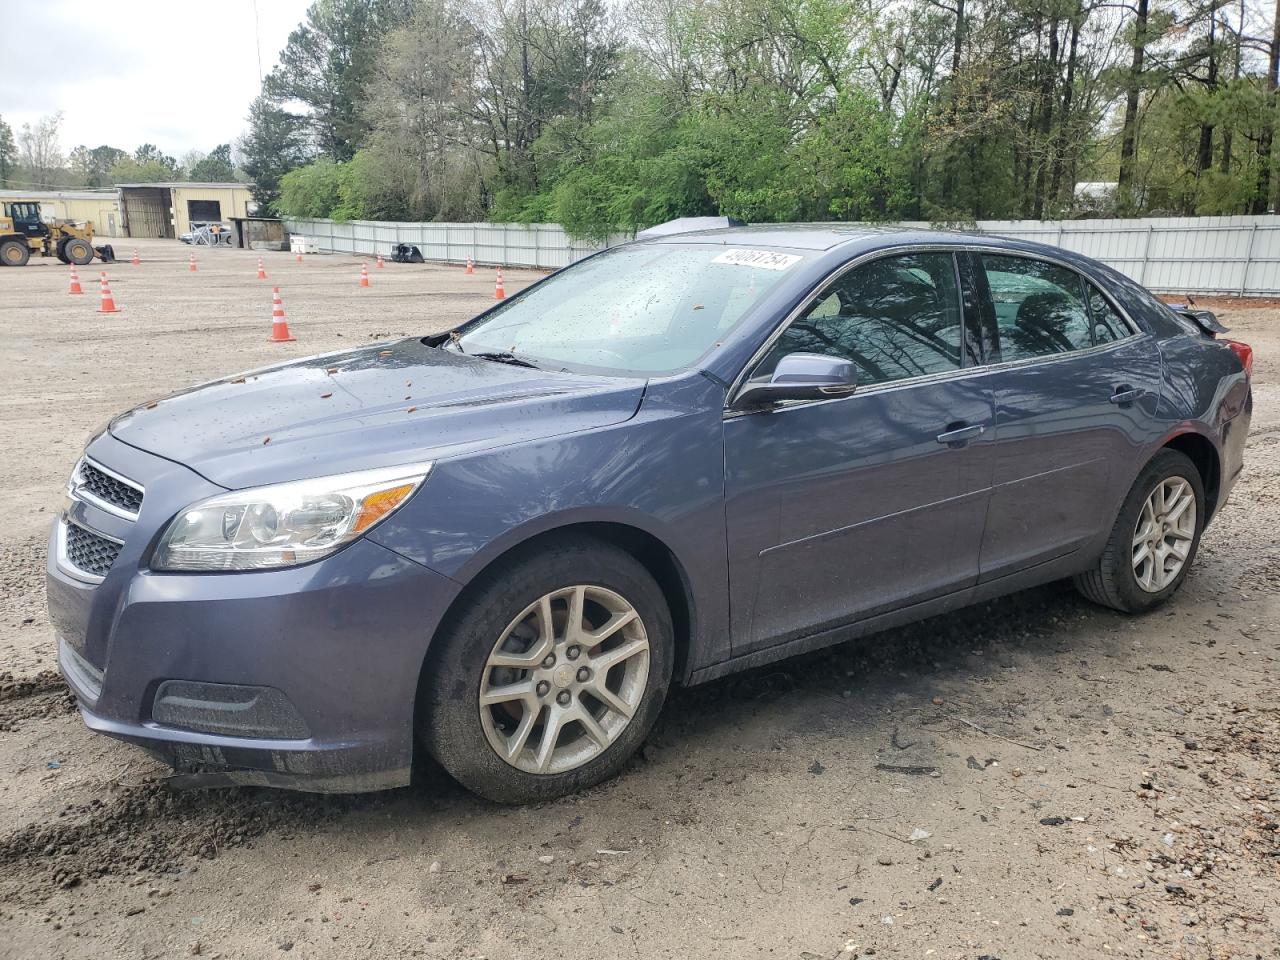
(39, 150)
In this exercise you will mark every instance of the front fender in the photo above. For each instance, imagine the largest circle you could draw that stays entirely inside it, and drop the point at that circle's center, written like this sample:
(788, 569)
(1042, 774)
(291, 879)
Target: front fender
(662, 472)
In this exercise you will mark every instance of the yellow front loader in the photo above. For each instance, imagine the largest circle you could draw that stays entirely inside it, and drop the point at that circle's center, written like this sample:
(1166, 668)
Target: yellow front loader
(23, 233)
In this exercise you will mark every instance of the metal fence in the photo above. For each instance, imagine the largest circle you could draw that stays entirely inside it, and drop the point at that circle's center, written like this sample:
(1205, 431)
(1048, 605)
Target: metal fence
(1238, 256)
(543, 245)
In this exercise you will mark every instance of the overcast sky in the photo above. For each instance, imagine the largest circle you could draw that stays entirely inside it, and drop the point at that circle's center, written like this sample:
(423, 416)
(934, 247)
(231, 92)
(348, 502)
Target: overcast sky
(178, 74)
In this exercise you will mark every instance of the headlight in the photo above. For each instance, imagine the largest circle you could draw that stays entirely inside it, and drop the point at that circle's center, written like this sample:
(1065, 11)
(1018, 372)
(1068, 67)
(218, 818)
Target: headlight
(284, 524)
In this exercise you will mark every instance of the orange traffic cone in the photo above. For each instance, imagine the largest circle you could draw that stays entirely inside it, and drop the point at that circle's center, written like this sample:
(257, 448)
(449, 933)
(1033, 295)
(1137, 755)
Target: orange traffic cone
(299, 256)
(498, 292)
(279, 326)
(379, 261)
(192, 268)
(108, 305)
(262, 271)
(136, 261)
(471, 267)
(364, 274)
(75, 281)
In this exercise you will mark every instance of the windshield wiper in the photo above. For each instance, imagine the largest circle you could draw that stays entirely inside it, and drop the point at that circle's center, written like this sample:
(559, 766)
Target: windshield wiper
(501, 356)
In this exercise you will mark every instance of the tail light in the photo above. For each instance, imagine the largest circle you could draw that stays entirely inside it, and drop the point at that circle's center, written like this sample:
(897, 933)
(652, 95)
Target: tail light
(1245, 353)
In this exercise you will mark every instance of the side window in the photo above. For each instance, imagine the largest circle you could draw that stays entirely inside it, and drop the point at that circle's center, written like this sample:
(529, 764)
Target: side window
(896, 318)
(1108, 325)
(1040, 307)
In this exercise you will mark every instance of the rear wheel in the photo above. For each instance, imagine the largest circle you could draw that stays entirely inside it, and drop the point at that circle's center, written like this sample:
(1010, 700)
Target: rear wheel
(1154, 540)
(551, 676)
(78, 251)
(14, 253)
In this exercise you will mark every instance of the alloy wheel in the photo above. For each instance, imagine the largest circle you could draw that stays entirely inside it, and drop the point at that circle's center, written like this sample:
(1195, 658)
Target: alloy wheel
(564, 679)
(1164, 534)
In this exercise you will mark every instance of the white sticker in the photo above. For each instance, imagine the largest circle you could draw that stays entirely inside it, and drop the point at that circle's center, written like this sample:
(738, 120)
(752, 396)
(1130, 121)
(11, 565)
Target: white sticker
(761, 259)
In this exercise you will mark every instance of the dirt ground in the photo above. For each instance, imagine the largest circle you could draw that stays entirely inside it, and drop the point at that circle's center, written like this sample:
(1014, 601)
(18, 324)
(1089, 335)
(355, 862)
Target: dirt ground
(1035, 777)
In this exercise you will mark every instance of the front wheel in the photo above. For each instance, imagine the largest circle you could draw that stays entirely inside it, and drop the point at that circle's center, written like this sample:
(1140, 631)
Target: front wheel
(1154, 540)
(551, 675)
(79, 251)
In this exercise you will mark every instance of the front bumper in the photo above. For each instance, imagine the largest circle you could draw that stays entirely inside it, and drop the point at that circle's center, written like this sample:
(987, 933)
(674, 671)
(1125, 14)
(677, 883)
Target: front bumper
(341, 640)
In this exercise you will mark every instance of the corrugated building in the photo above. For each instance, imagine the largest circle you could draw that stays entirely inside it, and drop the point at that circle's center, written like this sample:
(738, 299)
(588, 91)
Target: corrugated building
(102, 207)
(169, 209)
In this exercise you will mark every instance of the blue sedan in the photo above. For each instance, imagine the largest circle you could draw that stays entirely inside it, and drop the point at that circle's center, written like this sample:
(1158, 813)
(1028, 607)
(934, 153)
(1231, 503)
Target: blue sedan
(682, 457)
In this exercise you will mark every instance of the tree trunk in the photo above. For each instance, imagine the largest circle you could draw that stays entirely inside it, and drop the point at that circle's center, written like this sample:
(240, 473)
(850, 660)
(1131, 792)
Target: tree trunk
(953, 111)
(1204, 152)
(1047, 84)
(1064, 119)
(1262, 190)
(1227, 131)
(1133, 91)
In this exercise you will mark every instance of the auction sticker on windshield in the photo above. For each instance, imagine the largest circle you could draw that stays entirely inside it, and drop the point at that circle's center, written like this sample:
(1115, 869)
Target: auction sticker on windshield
(761, 259)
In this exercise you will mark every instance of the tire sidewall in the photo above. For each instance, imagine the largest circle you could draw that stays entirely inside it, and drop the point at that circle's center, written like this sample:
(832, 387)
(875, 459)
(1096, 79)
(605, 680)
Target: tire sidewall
(1168, 464)
(20, 261)
(82, 259)
(449, 718)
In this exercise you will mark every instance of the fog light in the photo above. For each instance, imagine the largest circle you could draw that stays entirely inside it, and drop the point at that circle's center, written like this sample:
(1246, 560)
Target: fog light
(228, 708)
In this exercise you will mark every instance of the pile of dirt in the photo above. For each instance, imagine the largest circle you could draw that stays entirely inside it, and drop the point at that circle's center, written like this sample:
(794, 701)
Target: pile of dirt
(147, 828)
(43, 695)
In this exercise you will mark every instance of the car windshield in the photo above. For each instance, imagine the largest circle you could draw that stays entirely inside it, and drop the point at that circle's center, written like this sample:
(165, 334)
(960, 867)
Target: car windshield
(642, 309)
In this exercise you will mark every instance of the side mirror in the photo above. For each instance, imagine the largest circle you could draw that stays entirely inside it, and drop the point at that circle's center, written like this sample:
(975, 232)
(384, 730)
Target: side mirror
(801, 376)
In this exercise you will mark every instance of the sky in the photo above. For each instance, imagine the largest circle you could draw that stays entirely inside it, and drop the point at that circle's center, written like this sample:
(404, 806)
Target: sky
(177, 73)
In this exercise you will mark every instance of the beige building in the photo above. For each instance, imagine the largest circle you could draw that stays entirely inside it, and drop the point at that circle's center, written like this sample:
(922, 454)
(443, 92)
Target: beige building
(101, 207)
(169, 209)
(141, 209)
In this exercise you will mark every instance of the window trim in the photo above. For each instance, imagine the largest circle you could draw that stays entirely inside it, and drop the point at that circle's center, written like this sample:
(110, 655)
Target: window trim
(731, 396)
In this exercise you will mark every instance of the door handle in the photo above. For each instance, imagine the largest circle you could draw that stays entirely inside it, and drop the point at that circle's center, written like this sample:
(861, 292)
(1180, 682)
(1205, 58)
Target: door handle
(958, 434)
(1126, 394)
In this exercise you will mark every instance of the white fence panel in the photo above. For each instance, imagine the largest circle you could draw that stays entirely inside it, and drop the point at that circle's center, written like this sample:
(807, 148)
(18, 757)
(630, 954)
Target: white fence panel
(1210, 255)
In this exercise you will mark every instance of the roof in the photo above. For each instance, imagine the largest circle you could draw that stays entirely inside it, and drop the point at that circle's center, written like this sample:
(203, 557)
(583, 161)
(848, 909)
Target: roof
(187, 183)
(798, 236)
(70, 194)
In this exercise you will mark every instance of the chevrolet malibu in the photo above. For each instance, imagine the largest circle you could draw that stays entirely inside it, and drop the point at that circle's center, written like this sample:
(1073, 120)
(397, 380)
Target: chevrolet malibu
(678, 458)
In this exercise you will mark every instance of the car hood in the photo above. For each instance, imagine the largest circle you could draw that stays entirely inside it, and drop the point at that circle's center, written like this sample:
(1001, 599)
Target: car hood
(377, 406)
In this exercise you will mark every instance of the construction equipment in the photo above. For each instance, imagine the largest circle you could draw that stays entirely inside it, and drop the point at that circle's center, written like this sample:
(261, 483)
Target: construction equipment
(23, 232)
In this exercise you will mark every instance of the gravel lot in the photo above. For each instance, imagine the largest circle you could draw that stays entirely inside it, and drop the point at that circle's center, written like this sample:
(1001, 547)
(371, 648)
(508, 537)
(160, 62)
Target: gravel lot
(1079, 783)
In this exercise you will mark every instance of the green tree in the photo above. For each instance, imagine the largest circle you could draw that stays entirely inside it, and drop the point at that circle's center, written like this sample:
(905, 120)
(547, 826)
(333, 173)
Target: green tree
(274, 145)
(319, 188)
(326, 65)
(150, 154)
(214, 167)
(8, 152)
(92, 167)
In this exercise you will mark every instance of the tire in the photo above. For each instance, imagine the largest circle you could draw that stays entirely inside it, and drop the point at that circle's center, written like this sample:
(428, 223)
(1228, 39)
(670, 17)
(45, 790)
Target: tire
(79, 251)
(1114, 581)
(14, 253)
(61, 251)
(460, 733)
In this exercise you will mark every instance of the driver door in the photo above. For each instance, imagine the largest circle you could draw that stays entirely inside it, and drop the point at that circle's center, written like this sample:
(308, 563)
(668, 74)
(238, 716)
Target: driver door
(840, 509)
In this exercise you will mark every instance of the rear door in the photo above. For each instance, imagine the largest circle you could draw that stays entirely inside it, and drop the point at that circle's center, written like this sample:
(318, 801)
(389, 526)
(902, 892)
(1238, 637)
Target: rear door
(843, 508)
(1076, 387)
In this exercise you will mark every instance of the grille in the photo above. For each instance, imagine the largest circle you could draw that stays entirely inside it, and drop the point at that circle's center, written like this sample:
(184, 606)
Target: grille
(89, 552)
(106, 487)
